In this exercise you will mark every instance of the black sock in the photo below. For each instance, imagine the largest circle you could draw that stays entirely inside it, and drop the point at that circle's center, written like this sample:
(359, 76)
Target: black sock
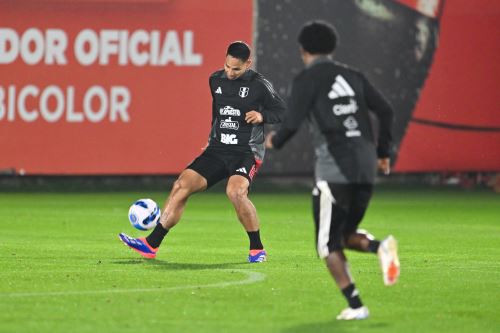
(352, 296)
(255, 243)
(156, 236)
(373, 246)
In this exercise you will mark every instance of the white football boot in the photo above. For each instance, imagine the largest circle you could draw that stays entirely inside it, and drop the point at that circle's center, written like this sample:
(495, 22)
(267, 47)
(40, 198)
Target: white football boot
(354, 314)
(389, 261)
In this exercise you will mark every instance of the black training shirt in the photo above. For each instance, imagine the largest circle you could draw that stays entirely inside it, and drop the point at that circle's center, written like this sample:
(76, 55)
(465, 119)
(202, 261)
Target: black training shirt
(336, 99)
(232, 99)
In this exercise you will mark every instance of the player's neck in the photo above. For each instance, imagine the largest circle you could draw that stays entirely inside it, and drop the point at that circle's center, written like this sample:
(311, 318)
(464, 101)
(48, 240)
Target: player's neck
(309, 58)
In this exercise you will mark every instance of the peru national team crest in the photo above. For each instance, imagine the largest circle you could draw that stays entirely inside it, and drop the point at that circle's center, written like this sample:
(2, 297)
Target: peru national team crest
(243, 92)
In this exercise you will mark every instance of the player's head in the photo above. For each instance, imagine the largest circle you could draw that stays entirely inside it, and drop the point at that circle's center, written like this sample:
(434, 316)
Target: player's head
(318, 38)
(237, 60)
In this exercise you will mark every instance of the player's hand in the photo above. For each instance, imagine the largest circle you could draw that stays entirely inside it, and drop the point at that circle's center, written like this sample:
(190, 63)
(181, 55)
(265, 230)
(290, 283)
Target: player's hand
(268, 142)
(384, 165)
(254, 117)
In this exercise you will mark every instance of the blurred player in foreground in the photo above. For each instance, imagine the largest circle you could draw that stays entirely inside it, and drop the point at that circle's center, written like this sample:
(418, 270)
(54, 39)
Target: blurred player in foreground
(242, 102)
(336, 100)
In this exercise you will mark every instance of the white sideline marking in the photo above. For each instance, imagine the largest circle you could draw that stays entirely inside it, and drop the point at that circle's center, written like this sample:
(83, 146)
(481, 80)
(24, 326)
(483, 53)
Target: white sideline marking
(252, 277)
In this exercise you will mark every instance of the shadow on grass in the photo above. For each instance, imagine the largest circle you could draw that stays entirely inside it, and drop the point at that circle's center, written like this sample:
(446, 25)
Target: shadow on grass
(166, 265)
(337, 326)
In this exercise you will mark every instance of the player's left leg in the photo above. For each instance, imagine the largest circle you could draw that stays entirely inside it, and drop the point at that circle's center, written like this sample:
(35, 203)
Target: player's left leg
(354, 238)
(360, 240)
(237, 192)
(243, 169)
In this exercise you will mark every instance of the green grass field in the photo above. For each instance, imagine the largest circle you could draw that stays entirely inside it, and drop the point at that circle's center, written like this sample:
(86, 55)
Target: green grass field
(63, 269)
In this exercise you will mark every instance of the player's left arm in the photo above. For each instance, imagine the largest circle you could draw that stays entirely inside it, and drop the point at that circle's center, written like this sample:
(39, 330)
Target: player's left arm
(385, 114)
(273, 107)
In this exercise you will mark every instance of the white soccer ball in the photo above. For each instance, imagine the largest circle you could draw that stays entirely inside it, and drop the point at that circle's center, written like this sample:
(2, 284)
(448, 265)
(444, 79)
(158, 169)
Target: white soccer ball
(144, 214)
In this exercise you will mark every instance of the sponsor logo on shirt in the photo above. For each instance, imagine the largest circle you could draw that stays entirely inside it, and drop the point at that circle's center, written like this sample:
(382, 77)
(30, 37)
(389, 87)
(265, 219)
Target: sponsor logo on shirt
(229, 124)
(343, 109)
(229, 111)
(351, 124)
(229, 139)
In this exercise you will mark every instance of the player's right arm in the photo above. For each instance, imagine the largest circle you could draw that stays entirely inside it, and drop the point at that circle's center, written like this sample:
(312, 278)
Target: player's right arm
(211, 85)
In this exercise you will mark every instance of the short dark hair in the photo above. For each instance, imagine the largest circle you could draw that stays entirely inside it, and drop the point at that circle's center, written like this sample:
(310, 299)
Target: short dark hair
(318, 37)
(239, 50)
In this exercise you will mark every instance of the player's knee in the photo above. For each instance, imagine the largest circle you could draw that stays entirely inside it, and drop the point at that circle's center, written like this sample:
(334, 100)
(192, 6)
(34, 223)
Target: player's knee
(236, 193)
(177, 188)
(177, 185)
(348, 239)
(365, 233)
(182, 188)
(336, 254)
(189, 182)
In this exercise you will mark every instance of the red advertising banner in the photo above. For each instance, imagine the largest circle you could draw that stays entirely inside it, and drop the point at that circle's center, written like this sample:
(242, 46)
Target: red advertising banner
(456, 123)
(110, 87)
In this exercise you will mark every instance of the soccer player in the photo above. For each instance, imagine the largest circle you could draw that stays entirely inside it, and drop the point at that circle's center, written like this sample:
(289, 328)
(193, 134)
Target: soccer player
(336, 99)
(242, 102)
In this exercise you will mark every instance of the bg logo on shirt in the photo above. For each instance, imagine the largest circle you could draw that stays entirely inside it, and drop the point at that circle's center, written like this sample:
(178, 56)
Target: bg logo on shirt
(229, 139)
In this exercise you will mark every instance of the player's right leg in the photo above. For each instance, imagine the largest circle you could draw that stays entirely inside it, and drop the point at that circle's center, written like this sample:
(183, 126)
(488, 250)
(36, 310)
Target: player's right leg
(188, 183)
(330, 206)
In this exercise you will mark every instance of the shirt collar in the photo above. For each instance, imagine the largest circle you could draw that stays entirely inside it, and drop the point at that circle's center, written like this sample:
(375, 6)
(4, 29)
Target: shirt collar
(321, 59)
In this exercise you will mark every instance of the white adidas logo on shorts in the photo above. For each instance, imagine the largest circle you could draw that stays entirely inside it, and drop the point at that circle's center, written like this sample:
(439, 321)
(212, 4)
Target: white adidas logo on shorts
(242, 170)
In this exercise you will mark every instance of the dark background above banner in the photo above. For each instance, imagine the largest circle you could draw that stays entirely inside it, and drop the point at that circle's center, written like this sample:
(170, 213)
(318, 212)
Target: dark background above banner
(140, 104)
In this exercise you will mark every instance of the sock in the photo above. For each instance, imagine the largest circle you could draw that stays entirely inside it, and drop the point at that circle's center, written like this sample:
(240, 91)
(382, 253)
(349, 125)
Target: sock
(352, 296)
(255, 243)
(373, 246)
(156, 236)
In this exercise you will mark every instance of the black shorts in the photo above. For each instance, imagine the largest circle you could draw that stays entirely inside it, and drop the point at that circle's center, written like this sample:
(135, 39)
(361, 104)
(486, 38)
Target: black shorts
(338, 210)
(215, 165)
